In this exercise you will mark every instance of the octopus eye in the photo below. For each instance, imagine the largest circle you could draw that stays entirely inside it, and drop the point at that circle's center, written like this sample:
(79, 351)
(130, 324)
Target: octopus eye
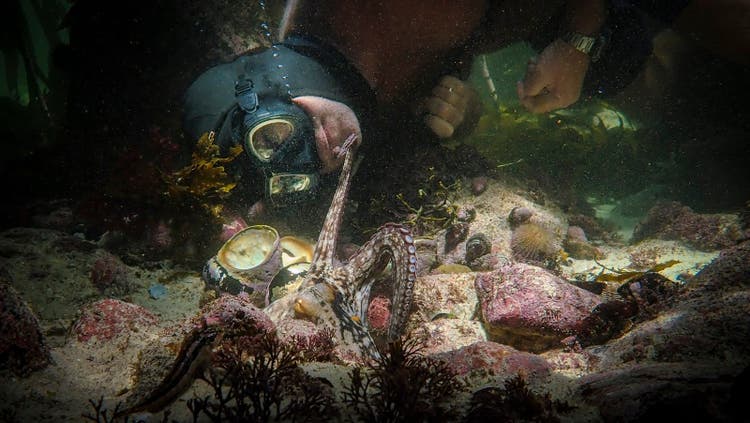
(306, 309)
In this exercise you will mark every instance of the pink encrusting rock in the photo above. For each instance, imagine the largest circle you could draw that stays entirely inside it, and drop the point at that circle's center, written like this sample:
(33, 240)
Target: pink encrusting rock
(531, 309)
(497, 359)
(378, 313)
(674, 221)
(233, 310)
(106, 319)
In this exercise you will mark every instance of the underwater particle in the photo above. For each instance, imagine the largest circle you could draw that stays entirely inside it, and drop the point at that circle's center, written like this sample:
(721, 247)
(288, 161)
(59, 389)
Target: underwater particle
(479, 185)
(519, 215)
(534, 242)
(476, 246)
(157, 291)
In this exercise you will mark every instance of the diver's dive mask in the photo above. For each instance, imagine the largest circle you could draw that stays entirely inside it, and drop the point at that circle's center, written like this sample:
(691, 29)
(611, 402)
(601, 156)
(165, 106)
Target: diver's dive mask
(248, 102)
(279, 140)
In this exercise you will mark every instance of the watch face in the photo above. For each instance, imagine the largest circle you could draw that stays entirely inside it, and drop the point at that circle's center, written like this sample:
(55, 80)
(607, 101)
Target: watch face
(580, 42)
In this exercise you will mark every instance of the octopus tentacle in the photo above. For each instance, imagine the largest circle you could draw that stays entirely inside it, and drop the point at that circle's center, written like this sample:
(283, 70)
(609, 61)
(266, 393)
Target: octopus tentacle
(325, 248)
(398, 243)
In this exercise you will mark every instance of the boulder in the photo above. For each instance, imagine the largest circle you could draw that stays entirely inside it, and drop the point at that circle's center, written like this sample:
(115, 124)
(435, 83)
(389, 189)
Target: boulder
(531, 309)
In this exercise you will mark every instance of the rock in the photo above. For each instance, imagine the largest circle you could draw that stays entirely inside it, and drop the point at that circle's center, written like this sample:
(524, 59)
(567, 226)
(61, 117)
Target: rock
(109, 275)
(519, 215)
(531, 309)
(446, 334)
(231, 310)
(378, 313)
(455, 235)
(662, 391)
(444, 293)
(705, 232)
(581, 250)
(495, 359)
(23, 347)
(109, 318)
(730, 270)
(707, 320)
(478, 184)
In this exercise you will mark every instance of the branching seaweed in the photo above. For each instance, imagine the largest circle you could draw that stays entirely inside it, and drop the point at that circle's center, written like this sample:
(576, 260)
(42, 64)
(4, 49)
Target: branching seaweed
(258, 379)
(103, 415)
(514, 402)
(432, 208)
(403, 385)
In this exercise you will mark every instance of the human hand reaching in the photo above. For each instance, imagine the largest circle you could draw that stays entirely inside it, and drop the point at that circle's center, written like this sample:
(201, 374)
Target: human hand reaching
(451, 103)
(554, 79)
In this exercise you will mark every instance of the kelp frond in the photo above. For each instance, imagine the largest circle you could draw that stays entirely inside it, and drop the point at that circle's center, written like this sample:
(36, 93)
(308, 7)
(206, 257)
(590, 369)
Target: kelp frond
(205, 178)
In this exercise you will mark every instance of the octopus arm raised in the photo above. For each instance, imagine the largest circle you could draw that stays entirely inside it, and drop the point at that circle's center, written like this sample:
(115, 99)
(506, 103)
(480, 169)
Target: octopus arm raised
(392, 242)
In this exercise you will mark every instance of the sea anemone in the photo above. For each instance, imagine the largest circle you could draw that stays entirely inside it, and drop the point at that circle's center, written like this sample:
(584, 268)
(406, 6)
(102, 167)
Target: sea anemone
(532, 242)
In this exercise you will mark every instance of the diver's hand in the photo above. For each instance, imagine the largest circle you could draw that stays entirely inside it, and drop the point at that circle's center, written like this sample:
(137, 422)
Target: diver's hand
(554, 79)
(451, 103)
(333, 123)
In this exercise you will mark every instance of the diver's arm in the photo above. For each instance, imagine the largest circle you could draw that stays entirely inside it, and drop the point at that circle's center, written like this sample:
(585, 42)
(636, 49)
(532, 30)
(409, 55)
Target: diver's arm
(554, 79)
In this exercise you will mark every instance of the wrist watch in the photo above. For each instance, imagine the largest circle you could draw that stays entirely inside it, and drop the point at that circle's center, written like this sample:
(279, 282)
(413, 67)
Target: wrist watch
(591, 46)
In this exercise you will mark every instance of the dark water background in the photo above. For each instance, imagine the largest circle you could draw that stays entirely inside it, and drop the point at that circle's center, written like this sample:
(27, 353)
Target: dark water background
(91, 107)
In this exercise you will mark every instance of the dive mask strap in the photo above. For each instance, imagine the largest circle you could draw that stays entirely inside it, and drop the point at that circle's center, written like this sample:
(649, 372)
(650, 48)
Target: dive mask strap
(247, 99)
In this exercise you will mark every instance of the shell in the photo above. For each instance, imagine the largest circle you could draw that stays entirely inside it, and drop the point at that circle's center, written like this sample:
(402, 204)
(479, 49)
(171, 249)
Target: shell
(519, 215)
(476, 246)
(295, 250)
(246, 263)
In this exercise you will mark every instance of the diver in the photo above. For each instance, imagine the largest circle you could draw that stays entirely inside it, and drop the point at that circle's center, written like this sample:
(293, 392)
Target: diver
(381, 69)
(350, 68)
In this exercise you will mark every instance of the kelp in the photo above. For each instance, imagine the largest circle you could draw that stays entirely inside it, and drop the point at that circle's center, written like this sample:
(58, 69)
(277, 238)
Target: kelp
(622, 276)
(205, 178)
(591, 147)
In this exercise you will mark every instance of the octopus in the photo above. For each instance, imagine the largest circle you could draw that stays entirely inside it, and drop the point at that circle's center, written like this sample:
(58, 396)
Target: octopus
(332, 293)
(337, 294)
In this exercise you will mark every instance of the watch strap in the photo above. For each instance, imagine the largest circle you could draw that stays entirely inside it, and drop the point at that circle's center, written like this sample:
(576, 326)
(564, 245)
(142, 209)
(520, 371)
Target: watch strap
(591, 46)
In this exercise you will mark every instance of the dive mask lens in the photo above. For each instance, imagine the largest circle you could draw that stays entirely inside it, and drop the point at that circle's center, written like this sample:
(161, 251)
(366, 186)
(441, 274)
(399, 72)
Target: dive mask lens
(268, 136)
(285, 188)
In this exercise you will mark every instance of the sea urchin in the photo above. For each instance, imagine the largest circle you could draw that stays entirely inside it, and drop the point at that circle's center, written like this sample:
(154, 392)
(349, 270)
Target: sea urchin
(532, 242)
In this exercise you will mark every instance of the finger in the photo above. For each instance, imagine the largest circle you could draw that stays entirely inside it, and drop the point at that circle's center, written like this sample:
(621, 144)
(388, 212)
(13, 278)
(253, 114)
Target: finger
(533, 83)
(541, 103)
(449, 96)
(453, 84)
(440, 127)
(444, 110)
